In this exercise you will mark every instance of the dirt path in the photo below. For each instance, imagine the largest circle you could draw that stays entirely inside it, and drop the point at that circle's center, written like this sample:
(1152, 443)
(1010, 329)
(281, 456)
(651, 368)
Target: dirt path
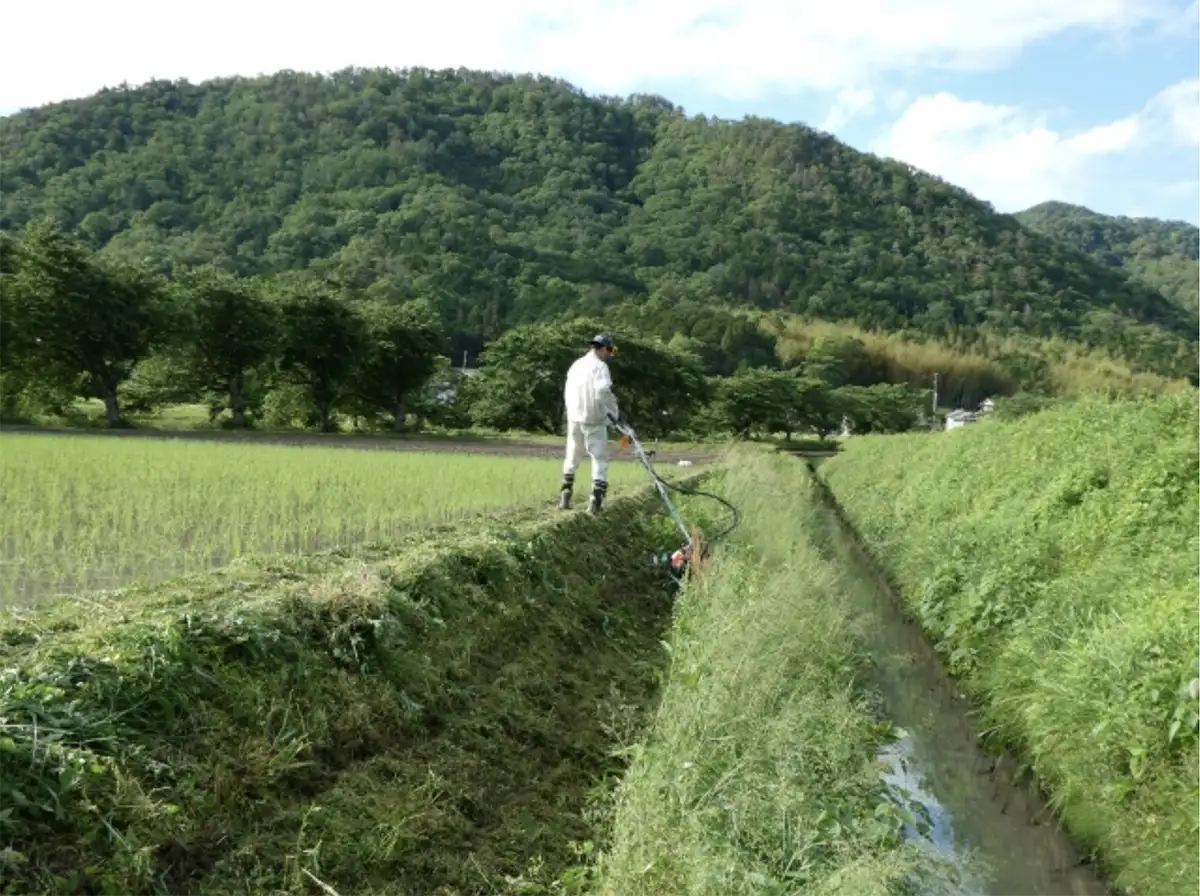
(428, 445)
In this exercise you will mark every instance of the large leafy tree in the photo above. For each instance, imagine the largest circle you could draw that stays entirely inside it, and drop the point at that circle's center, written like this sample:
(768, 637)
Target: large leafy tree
(761, 401)
(320, 336)
(757, 400)
(230, 329)
(821, 410)
(520, 387)
(521, 380)
(658, 384)
(883, 407)
(70, 312)
(403, 346)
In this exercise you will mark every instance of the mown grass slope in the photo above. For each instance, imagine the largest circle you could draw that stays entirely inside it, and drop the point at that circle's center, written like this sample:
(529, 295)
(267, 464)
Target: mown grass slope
(1054, 561)
(759, 773)
(419, 717)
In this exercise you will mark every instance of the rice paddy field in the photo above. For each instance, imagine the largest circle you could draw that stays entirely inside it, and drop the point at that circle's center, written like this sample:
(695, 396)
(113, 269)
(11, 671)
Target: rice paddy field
(80, 514)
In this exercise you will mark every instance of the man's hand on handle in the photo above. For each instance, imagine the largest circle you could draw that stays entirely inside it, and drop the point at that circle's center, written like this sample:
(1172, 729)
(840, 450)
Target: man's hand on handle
(628, 435)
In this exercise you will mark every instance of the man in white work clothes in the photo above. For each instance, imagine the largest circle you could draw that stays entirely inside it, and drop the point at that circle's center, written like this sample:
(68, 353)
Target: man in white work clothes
(590, 403)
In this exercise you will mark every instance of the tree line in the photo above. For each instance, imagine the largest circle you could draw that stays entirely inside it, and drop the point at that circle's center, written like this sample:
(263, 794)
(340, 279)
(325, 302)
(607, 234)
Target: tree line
(662, 387)
(307, 350)
(78, 323)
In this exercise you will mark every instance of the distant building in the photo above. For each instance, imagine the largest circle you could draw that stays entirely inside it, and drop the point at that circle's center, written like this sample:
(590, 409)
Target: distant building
(444, 391)
(959, 418)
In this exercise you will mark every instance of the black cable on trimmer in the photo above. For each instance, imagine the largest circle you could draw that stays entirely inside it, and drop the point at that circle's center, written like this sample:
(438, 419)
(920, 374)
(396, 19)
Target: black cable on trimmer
(679, 559)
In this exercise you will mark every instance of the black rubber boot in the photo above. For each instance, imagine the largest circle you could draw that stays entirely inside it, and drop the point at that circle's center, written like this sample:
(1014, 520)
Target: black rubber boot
(564, 494)
(596, 504)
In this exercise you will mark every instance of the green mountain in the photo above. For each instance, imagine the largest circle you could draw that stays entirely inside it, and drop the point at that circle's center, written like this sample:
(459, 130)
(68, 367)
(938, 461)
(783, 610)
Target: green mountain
(511, 199)
(1164, 255)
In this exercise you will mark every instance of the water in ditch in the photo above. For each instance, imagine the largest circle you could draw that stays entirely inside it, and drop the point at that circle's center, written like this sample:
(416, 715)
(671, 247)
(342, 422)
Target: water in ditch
(982, 815)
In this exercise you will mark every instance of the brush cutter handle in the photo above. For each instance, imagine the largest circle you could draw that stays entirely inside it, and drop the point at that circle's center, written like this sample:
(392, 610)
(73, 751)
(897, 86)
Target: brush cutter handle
(628, 436)
(627, 431)
(622, 427)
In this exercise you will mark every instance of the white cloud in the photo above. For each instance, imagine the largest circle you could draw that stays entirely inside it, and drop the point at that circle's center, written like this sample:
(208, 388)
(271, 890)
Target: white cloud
(1175, 113)
(853, 102)
(1183, 23)
(732, 49)
(849, 103)
(1105, 139)
(1015, 160)
(1181, 189)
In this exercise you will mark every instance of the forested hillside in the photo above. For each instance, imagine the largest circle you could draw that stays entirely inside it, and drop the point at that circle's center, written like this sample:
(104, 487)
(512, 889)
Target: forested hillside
(1164, 255)
(512, 199)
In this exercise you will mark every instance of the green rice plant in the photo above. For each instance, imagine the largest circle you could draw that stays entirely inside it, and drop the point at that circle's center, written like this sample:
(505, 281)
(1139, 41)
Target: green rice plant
(1054, 560)
(80, 513)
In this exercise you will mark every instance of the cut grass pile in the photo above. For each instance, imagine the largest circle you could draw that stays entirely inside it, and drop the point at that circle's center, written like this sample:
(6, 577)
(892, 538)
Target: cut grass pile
(431, 717)
(759, 773)
(1054, 561)
(93, 513)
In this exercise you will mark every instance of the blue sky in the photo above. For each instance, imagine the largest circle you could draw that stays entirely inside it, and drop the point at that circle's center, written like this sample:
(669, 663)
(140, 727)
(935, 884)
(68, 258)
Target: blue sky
(1095, 102)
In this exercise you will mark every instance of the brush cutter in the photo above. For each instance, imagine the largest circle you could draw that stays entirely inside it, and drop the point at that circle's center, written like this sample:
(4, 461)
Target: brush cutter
(679, 558)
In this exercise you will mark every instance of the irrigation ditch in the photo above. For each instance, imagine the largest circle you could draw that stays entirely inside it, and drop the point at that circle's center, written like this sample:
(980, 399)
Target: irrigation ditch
(984, 811)
(459, 713)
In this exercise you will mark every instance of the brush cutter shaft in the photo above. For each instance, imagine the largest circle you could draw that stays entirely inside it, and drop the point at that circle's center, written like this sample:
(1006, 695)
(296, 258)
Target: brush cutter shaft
(640, 454)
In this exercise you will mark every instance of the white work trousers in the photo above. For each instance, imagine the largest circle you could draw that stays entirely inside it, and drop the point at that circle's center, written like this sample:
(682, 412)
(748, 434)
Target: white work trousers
(592, 438)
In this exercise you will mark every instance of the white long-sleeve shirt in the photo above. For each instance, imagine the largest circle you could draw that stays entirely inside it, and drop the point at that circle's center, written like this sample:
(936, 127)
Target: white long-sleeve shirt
(588, 393)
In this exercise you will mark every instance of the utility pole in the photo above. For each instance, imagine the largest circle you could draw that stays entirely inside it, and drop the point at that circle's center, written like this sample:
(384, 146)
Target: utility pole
(933, 421)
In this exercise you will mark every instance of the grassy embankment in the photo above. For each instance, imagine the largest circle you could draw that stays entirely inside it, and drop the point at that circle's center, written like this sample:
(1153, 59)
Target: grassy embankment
(84, 514)
(428, 716)
(758, 775)
(1054, 561)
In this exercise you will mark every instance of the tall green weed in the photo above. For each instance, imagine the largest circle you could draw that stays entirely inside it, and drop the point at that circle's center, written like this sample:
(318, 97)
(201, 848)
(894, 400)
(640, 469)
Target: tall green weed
(759, 776)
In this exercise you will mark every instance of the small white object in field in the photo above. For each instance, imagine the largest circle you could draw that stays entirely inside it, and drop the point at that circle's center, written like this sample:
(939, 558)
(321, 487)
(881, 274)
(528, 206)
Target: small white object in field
(685, 463)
